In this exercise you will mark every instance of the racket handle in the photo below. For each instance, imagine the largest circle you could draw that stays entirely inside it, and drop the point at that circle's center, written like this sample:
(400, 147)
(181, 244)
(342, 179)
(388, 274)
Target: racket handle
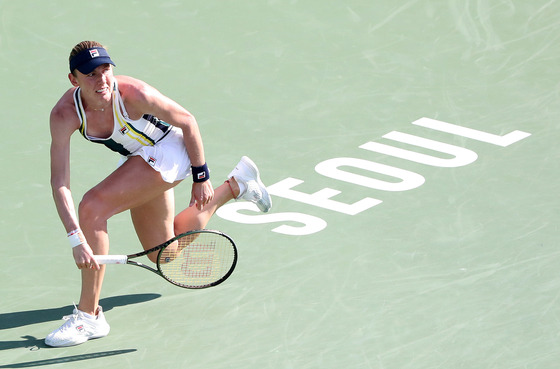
(110, 259)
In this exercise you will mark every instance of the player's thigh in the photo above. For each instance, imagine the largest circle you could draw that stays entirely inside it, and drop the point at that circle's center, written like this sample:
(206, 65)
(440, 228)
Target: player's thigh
(131, 185)
(153, 220)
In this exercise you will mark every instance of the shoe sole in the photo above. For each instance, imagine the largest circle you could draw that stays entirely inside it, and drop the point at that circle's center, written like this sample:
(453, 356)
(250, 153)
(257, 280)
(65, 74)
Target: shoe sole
(75, 343)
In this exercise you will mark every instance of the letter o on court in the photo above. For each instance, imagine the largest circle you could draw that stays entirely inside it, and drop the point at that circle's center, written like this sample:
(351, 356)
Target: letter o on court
(407, 180)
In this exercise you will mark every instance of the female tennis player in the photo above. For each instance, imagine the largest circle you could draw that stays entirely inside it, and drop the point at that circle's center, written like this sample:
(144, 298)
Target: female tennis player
(160, 145)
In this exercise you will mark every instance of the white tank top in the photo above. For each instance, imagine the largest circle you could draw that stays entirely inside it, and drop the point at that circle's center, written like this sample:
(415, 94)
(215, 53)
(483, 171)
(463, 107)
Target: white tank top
(128, 135)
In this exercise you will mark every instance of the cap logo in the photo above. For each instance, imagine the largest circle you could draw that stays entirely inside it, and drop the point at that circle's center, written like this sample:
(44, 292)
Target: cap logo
(94, 53)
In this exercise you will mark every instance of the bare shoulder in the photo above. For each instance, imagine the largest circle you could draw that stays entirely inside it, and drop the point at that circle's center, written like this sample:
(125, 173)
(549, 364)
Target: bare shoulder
(63, 114)
(139, 97)
(133, 89)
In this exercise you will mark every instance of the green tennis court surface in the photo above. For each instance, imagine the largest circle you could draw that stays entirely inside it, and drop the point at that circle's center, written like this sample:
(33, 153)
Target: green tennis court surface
(412, 153)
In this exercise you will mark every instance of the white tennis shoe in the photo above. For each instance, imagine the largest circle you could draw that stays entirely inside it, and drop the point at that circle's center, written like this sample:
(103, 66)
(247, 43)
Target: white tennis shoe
(247, 176)
(78, 328)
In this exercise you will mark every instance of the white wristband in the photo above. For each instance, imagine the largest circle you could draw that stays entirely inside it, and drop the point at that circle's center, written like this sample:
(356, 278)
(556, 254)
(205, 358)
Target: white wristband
(74, 238)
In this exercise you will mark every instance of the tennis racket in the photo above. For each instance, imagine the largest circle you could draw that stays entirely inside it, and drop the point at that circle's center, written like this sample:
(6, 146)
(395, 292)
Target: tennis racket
(195, 259)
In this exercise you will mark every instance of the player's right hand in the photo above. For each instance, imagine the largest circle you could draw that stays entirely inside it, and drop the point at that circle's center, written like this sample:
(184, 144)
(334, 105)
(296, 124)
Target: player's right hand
(83, 256)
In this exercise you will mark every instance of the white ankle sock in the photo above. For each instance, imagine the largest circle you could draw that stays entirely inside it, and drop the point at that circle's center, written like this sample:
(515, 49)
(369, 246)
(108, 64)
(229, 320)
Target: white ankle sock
(242, 187)
(89, 316)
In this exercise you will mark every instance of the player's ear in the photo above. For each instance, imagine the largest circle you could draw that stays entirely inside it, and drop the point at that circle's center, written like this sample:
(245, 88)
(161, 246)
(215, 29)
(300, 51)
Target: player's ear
(73, 79)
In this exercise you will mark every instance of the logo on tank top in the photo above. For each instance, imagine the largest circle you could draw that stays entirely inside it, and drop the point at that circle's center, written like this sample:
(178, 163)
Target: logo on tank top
(124, 130)
(152, 161)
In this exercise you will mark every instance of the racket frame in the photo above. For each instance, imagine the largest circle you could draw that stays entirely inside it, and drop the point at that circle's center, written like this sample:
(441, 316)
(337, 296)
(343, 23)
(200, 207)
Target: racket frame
(125, 259)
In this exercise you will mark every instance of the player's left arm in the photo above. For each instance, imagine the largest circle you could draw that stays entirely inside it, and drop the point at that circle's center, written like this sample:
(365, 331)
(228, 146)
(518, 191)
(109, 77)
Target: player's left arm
(145, 99)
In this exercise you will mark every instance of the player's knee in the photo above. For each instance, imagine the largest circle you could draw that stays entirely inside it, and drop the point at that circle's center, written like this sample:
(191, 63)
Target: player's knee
(153, 257)
(177, 229)
(91, 208)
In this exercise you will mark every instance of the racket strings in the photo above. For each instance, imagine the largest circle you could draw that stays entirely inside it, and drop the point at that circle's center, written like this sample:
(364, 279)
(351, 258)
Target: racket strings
(197, 260)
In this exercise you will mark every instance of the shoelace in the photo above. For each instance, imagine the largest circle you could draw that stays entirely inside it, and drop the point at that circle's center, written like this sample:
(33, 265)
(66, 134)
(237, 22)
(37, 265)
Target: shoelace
(75, 314)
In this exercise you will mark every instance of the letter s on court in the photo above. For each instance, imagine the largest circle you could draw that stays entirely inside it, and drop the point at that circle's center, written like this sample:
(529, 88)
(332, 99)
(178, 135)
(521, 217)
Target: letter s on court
(311, 223)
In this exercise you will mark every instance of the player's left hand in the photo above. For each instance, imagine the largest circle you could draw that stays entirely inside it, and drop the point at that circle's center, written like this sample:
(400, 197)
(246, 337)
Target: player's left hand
(202, 193)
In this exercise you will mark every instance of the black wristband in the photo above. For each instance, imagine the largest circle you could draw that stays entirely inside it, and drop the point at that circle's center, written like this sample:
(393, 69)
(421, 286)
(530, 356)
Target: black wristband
(200, 174)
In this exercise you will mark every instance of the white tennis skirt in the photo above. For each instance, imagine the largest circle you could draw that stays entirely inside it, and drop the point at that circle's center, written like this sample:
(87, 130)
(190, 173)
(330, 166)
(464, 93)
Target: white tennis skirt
(169, 157)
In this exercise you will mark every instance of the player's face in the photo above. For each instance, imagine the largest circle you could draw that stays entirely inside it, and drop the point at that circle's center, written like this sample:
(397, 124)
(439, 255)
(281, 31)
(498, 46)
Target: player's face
(96, 85)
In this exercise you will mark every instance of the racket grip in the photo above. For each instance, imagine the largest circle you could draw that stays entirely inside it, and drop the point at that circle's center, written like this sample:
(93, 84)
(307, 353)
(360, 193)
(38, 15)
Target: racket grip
(110, 259)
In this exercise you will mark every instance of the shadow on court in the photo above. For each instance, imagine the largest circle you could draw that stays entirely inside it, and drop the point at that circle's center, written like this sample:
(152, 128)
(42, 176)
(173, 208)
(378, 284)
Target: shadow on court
(23, 318)
(30, 342)
(68, 359)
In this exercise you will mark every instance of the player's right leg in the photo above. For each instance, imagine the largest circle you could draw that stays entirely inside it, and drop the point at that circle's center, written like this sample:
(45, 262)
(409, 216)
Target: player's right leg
(131, 185)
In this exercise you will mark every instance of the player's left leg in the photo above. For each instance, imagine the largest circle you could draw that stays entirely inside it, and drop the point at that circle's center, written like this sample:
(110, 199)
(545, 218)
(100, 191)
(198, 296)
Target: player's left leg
(153, 221)
(243, 182)
(191, 218)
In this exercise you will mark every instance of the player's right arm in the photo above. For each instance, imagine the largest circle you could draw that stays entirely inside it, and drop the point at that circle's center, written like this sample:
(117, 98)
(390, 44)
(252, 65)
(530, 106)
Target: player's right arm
(63, 123)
